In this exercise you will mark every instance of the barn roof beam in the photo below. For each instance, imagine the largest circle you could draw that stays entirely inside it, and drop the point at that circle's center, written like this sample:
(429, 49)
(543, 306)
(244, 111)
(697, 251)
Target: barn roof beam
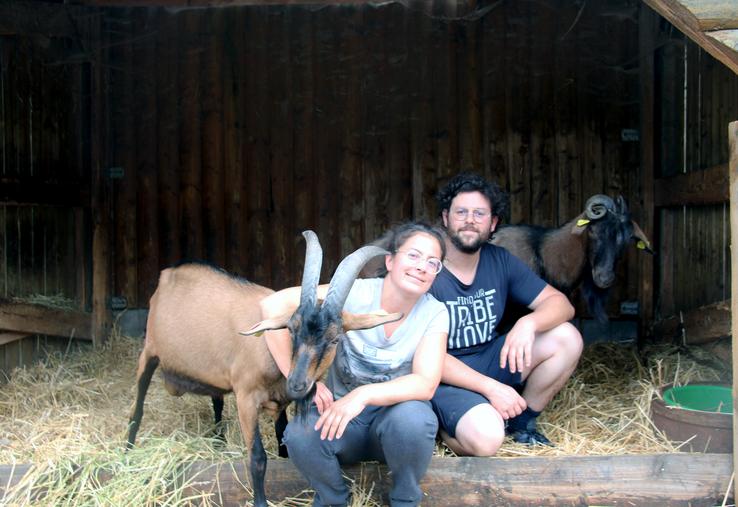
(694, 17)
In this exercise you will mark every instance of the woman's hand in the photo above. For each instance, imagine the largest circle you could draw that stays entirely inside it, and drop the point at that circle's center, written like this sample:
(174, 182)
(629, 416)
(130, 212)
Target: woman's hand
(323, 397)
(332, 423)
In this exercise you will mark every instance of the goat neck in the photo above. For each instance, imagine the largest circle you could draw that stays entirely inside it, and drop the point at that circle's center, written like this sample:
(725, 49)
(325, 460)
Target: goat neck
(563, 254)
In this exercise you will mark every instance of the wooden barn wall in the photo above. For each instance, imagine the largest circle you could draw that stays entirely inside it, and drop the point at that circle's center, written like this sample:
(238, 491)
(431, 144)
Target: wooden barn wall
(237, 128)
(698, 99)
(42, 179)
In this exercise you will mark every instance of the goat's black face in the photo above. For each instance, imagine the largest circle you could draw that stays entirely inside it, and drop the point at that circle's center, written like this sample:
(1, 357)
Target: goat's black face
(315, 335)
(608, 237)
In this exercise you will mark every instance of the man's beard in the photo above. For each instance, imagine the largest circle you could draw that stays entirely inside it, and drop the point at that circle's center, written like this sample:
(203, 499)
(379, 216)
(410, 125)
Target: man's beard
(468, 248)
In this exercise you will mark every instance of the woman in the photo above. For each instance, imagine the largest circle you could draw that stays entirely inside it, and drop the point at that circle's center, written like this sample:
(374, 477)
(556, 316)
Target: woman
(375, 404)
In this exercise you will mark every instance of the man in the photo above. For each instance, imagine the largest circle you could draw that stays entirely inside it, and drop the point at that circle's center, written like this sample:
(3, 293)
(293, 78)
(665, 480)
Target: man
(489, 380)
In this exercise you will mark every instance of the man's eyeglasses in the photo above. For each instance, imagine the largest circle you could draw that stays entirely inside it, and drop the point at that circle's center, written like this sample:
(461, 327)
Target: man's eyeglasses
(479, 215)
(414, 258)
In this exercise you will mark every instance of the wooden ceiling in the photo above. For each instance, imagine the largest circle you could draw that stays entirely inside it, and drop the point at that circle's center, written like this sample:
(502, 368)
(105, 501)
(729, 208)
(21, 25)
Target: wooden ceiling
(712, 24)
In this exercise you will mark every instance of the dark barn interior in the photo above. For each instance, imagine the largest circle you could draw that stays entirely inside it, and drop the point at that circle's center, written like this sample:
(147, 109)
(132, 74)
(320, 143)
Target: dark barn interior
(135, 135)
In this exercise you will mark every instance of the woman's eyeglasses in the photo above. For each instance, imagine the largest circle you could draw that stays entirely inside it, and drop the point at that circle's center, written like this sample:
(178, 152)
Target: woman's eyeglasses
(414, 258)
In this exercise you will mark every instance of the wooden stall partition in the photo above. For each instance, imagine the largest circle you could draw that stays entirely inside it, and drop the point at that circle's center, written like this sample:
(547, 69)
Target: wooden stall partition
(733, 138)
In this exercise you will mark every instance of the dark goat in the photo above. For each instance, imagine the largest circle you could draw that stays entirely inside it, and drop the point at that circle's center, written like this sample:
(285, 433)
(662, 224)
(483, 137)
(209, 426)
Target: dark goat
(584, 250)
(193, 328)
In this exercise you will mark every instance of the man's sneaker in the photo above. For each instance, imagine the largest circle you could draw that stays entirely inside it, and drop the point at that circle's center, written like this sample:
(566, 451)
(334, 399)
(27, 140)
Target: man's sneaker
(530, 437)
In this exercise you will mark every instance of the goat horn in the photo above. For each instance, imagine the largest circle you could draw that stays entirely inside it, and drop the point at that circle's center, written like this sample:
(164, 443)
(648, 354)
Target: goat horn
(311, 271)
(344, 277)
(597, 206)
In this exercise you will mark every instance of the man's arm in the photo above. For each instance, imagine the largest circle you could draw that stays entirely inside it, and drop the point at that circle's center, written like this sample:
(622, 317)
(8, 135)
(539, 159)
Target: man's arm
(550, 308)
(503, 398)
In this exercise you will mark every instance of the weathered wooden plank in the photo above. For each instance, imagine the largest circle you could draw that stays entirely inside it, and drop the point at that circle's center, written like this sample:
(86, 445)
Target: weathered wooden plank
(678, 15)
(733, 142)
(10, 336)
(190, 133)
(700, 325)
(212, 138)
(256, 156)
(167, 134)
(100, 202)
(679, 479)
(281, 135)
(709, 186)
(124, 129)
(351, 48)
(145, 93)
(31, 318)
(233, 111)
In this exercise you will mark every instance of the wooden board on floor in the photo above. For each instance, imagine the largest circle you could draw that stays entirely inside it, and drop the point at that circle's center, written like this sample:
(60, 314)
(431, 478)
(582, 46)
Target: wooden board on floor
(659, 479)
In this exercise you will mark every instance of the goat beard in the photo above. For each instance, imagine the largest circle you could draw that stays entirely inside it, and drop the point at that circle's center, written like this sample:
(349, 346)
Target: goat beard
(467, 248)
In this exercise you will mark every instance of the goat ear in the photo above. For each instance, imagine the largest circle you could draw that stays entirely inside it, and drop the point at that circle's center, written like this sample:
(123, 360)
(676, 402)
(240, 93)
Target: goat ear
(279, 322)
(580, 224)
(368, 320)
(640, 236)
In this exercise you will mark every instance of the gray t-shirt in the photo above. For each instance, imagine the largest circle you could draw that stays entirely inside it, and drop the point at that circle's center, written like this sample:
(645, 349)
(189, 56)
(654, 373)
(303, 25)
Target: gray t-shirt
(367, 356)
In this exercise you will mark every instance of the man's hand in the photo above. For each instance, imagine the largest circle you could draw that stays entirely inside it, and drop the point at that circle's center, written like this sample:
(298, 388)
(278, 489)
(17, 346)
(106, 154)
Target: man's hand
(518, 347)
(336, 417)
(323, 397)
(505, 399)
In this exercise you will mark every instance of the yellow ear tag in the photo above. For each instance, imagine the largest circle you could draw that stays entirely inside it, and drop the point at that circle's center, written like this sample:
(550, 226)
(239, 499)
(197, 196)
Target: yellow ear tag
(641, 245)
(582, 222)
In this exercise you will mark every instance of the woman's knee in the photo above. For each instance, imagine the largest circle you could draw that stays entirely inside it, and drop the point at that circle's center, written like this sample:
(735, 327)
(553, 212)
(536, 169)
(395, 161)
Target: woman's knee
(410, 419)
(300, 437)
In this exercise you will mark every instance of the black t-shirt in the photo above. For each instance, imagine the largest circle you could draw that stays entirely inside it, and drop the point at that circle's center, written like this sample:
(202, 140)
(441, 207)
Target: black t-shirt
(476, 309)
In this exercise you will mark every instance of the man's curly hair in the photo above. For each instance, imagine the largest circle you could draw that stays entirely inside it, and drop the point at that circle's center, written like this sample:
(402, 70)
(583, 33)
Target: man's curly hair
(470, 182)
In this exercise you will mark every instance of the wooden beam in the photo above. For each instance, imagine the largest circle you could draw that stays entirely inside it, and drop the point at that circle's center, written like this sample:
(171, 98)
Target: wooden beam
(733, 143)
(709, 186)
(100, 199)
(32, 318)
(678, 479)
(686, 22)
(713, 14)
(701, 325)
(9, 337)
(643, 207)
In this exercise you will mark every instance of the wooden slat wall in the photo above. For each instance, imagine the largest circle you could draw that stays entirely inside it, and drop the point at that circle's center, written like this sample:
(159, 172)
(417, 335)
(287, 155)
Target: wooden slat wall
(42, 141)
(39, 141)
(347, 119)
(694, 240)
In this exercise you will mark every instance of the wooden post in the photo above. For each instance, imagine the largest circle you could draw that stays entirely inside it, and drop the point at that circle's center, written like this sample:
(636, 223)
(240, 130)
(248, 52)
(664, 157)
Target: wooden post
(644, 208)
(100, 197)
(733, 140)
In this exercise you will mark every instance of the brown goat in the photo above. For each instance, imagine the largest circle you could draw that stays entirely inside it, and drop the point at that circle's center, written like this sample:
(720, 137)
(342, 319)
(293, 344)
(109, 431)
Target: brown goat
(193, 328)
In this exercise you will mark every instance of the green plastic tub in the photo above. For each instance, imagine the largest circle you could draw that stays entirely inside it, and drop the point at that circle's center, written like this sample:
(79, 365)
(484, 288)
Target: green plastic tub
(702, 397)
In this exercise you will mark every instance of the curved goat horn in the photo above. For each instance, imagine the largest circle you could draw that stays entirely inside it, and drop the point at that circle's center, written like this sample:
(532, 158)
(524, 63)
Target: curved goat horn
(345, 275)
(597, 206)
(311, 271)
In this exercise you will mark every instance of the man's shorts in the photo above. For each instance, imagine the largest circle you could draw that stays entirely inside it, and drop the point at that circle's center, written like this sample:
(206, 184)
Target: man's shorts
(451, 403)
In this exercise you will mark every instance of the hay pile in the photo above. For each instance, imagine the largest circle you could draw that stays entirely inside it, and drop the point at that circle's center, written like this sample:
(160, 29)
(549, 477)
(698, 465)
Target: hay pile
(68, 416)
